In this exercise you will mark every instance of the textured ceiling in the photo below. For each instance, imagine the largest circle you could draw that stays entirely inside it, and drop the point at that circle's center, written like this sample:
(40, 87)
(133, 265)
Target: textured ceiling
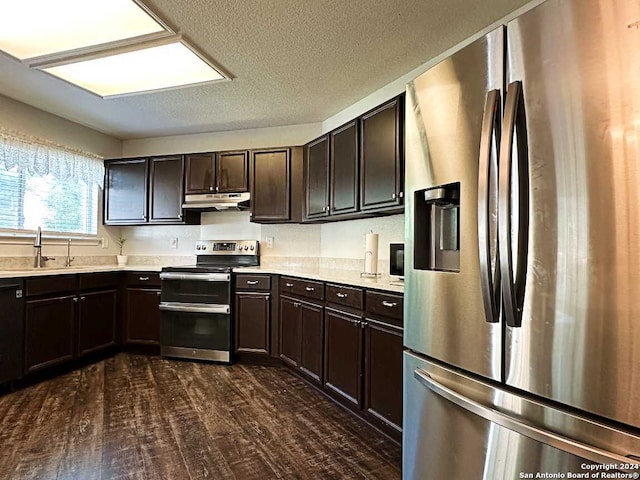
(294, 62)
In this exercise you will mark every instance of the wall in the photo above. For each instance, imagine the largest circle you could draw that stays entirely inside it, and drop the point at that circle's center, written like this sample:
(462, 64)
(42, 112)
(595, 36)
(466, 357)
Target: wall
(290, 135)
(23, 118)
(338, 240)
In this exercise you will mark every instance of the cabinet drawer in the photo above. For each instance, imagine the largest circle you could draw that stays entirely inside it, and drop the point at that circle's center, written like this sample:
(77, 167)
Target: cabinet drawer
(347, 296)
(92, 281)
(143, 279)
(253, 282)
(302, 287)
(51, 285)
(386, 305)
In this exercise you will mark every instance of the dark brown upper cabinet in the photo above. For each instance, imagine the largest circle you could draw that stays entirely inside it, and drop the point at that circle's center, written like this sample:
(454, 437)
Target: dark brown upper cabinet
(165, 189)
(200, 173)
(316, 178)
(344, 178)
(232, 172)
(125, 191)
(146, 190)
(222, 172)
(270, 181)
(381, 156)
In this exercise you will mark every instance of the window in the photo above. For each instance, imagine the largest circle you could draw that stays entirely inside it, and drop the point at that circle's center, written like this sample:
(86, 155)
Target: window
(28, 201)
(48, 186)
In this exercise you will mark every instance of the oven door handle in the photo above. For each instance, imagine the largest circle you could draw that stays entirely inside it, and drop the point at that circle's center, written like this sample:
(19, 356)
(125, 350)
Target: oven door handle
(198, 277)
(194, 308)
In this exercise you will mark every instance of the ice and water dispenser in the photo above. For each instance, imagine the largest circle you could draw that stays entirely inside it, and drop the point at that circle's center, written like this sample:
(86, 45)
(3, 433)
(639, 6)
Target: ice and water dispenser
(437, 228)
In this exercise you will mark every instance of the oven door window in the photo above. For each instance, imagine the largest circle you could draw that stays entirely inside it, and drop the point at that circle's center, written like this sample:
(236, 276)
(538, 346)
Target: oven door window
(195, 291)
(206, 331)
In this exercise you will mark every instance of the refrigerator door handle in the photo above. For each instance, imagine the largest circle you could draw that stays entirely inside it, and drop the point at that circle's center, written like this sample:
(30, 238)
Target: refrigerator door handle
(513, 289)
(569, 445)
(488, 166)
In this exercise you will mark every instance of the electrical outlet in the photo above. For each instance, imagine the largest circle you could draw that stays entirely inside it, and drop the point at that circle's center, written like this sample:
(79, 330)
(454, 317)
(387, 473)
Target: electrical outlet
(269, 242)
(173, 243)
(105, 242)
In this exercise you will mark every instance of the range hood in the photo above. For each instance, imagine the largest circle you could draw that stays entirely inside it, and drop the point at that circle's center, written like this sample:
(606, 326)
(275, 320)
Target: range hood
(217, 201)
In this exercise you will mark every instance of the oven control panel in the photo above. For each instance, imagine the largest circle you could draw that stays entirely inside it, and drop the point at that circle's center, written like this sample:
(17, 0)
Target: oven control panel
(227, 247)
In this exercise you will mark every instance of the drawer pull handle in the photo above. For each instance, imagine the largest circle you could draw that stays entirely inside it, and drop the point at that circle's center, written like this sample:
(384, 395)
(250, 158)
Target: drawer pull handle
(252, 282)
(309, 289)
(143, 279)
(389, 304)
(342, 295)
(288, 284)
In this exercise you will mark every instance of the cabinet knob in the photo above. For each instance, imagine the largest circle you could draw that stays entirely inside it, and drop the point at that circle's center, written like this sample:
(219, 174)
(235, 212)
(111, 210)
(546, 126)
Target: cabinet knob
(288, 285)
(83, 299)
(217, 189)
(393, 196)
(309, 289)
(211, 189)
(158, 293)
(75, 299)
(363, 324)
(180, 217)
(401, 194)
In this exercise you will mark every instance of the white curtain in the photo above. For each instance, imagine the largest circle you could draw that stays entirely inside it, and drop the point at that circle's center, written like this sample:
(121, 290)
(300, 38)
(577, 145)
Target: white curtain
(42, 157)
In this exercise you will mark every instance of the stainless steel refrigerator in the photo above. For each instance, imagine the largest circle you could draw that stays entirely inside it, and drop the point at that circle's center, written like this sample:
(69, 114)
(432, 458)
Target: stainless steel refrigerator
(522, 265)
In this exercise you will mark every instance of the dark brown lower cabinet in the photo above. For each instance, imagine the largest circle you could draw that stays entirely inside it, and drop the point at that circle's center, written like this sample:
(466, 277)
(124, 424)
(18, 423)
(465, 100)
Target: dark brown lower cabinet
(253, 322)
(290, 331)
(312, 340)
(383, 373)
(97, 321)
(343, 355)
(301, 336)
(142, 316)
(49, 331)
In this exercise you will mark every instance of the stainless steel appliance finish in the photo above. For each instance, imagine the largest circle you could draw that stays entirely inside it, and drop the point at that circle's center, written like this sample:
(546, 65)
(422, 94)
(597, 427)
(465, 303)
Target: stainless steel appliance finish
(538, 123)
(484, 432)
(217, 201)
(443, 127)
(196, 301)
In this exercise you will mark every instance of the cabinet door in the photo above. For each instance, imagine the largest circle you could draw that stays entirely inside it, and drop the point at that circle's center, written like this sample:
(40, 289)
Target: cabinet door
(142, 316)
(200, 173)
(125, 192)
(344, 169)
(312, 344)
(343, 355)
(270, 185)
(381, 153)
(253, 322)
(97, 321)
(232, 172)
(49, 332)
(166, 189)
(383, 373)
(290, 331)
(316, 178)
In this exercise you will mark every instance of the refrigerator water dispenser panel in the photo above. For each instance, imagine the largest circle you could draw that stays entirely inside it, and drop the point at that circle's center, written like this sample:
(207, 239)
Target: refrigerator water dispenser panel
(437, 228)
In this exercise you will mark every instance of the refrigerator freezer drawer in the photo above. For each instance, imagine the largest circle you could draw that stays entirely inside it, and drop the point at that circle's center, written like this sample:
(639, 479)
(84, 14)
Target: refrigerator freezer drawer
(458, 428)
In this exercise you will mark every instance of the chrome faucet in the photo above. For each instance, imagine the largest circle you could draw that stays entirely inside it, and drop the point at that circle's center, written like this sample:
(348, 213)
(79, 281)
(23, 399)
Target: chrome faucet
(69, 257)
(37, 245)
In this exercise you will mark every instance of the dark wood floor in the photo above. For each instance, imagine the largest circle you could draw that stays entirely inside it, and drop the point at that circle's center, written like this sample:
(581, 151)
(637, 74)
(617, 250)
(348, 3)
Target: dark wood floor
(140, 417)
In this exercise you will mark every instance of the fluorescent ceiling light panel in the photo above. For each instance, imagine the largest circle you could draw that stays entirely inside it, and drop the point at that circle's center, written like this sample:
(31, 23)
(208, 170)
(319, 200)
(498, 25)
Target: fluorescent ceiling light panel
(153, 68)
(31, 28)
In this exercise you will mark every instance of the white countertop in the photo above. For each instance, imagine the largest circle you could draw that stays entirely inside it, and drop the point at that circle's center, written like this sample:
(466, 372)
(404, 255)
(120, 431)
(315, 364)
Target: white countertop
(39, 272)
(345, 277)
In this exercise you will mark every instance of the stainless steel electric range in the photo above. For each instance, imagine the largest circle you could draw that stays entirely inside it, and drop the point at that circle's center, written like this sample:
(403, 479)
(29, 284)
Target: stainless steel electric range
(196, 306)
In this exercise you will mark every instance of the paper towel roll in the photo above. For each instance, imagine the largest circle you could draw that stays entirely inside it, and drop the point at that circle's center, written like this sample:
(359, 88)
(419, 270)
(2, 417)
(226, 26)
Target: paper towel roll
(371, 253)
